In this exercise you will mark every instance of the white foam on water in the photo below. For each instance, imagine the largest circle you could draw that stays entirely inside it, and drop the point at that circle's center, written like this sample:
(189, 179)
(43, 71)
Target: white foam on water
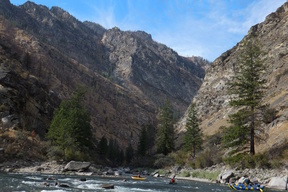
(34, 178)
(125, 189)
(65, 179)
(57, 190)
(30, 182)
(88, 186)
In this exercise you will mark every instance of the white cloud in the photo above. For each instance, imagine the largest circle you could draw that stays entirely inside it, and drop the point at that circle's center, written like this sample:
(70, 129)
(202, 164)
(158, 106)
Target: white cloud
(251, 15)
(219, 30)
(105, 16)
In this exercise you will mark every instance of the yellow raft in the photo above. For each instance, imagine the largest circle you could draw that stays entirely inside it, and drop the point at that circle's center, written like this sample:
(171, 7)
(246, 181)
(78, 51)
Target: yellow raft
(138, 178)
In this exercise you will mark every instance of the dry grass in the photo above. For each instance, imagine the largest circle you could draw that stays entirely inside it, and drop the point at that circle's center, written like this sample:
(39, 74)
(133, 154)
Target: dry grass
(21, 144)
(277, 134)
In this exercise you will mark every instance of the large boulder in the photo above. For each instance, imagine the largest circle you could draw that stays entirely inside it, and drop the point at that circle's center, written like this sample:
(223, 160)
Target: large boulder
(77, 166)
(225, 177)
(278, 183)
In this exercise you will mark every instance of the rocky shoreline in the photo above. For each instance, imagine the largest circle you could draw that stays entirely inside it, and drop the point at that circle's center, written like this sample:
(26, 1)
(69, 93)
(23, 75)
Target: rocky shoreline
(271, 178)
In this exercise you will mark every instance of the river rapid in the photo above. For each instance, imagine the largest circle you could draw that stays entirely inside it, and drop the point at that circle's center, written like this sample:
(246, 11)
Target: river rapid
(38, 183)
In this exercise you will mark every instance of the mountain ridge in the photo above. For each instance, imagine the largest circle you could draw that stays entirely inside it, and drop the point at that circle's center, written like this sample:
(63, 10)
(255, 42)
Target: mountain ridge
(60, 53)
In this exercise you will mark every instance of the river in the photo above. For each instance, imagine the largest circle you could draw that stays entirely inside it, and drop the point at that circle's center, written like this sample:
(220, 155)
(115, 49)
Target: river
(35, 183)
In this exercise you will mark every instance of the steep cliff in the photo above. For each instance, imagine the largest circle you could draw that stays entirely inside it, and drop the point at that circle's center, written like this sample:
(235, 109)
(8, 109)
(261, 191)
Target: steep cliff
(212, 99)
(128, 75)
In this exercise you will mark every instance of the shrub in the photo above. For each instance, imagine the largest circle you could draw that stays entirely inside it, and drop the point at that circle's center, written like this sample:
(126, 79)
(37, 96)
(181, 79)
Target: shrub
(261, 161)
(275, 164)
(180, 157)
(211, 175)
(164, 161)
(55, 153)
(72, 154)
(235, 160)
(249, 161)
(185, 173)
(204, 160)
(269, 115)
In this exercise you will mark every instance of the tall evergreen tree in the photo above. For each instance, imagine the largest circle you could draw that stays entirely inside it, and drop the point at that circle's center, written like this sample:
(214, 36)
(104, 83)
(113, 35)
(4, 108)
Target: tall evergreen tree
(193, 137)
(129, 154)
(70, 128)
(165, 134)
(246, 89)
(112, 150)
(103, 146)
(143, 142)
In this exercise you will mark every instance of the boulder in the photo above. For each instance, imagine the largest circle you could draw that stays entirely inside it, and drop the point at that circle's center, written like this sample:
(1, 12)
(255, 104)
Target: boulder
(277, 183)
(77, 166)
(117, 173)
(64, 185)
(107, 186)
(225, 177)
(241, 180)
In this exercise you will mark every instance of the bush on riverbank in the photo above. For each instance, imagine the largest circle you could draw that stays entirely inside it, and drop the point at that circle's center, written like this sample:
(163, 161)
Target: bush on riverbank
(244, 160)
(201, 174)
(21, 144)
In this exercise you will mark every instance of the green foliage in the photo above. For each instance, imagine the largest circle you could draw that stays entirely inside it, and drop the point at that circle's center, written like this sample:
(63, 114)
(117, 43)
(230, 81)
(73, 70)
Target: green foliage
(103, 147)
(235, 160)
(238, 133)
(211, 175)
(129, 154)
(246, 89)
(70, 128)
(193, 137)
(270, 114)
(143, 142)
(180, 157)
(55, 153)
(3, 107)
(249, 161)
(165, 134)
(276, 164)
(185, 173)
(115, 154)
(261, 161)
(163, 161)
(204, 159)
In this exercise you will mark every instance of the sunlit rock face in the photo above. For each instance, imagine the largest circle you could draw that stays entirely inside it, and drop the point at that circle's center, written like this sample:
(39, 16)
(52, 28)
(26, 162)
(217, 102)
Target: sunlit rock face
(212, 99)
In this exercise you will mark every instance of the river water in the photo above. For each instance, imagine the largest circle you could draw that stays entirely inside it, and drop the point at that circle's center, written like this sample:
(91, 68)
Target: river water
(35, 183)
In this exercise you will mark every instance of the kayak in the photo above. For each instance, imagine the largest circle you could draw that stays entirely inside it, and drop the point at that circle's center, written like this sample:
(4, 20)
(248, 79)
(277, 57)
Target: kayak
(241, 186)
(138, 178)
(172, 182)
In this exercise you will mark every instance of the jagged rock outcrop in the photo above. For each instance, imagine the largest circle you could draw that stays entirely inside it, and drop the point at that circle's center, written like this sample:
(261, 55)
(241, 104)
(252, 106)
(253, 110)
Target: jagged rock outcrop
(151, 69)
(212, 99)
(128, 75)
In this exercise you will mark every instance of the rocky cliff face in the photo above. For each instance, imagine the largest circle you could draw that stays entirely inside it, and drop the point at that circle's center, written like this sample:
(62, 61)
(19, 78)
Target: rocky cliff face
(212, 99)
(128, 75)
(150, 69)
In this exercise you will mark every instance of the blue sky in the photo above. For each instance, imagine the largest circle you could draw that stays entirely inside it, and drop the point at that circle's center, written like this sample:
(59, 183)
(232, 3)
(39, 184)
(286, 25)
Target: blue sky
(205, 28)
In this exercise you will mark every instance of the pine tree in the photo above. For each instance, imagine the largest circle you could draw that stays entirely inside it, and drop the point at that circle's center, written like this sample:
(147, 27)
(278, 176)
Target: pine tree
(165, 134)
(129, 154)
(246, 89)
(143, 142)
(70, 128)
(193, 137)
(103, 147)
